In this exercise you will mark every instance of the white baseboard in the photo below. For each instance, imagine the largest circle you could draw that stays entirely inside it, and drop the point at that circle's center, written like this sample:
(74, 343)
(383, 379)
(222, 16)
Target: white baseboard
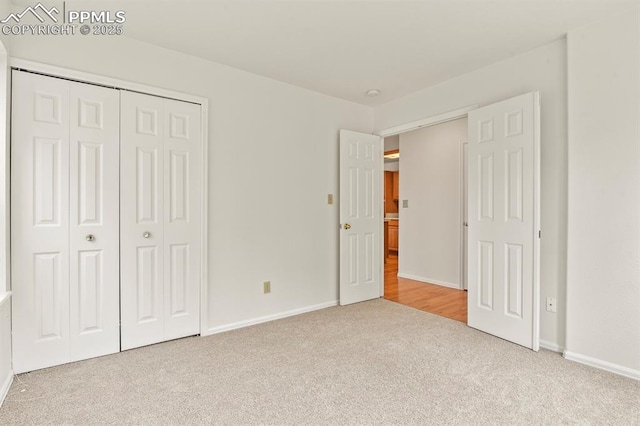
(429, 281)
(602, 365)
(550, 346)
(4, 390)
(267, 318)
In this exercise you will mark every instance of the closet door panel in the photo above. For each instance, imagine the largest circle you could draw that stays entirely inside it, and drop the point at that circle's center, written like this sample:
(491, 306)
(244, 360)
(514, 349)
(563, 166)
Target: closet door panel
(94, 217)
(182, 206)
(141, 220)
(40, 221)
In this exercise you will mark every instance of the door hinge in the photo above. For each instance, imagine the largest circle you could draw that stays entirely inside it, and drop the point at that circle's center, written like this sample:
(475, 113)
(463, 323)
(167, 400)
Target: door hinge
(539, 234)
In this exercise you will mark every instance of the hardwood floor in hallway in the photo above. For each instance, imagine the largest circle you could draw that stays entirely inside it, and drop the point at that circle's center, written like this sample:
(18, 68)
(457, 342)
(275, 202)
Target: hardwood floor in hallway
(439, 300)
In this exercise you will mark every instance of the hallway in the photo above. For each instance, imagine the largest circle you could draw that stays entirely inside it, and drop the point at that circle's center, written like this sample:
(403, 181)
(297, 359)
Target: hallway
(439, 300)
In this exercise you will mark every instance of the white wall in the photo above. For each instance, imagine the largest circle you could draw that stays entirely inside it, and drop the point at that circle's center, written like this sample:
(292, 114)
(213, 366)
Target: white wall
(603, 313)
(6, 372)
(391, 142)
(273, 157)
(431, 181)
(393, 166)
(5, 9)
(5, 248)
(542, 69)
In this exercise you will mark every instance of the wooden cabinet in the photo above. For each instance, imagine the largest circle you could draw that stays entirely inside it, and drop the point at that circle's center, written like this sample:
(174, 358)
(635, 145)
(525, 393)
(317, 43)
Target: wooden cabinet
(393, 235)
(389, 205)
(396, 187)
(391, 191)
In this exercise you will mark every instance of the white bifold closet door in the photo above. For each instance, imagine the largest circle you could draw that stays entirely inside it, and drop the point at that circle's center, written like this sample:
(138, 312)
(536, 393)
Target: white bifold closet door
(64, 221)
(160, 219)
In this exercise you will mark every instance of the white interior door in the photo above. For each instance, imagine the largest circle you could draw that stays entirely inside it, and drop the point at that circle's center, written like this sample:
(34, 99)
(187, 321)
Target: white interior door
(39, 221)
(503, 154)
(94, 221)
(141, 220)
(65, 288)
(361, 217)
(182, 207)
(160, 219)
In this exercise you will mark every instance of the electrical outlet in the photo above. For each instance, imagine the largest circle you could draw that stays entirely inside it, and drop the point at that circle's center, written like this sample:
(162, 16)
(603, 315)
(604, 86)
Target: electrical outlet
(330, 199)
(405, 204)
(266, 286)
(551, 305)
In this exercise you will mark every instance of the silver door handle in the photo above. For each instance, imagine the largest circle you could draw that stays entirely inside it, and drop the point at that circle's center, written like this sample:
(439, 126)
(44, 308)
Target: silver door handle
(146, 234)
(90, 237)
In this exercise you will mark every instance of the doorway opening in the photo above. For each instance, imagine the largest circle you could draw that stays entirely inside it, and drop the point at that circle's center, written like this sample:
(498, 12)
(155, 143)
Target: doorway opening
(425, 218)
(503, 222)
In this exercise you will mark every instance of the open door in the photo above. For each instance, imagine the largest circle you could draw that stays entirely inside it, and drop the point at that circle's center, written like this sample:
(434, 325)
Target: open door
(361, 217)
(503, 202)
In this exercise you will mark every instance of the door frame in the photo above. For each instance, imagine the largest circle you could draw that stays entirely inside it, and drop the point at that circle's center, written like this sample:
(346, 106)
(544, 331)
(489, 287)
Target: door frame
(115, 83)
(463, 209)
(418, 124)
(464, 112)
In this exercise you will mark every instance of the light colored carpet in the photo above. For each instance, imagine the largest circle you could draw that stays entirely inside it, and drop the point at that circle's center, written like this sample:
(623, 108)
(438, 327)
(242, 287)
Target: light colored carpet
(370, 363)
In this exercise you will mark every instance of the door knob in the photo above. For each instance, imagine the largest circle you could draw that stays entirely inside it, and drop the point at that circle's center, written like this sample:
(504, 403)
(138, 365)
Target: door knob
(146, 234)
(347, 226)
(90, 237)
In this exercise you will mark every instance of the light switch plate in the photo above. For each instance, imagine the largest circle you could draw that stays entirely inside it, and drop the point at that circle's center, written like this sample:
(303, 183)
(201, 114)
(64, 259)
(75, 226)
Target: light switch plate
(330, 199)
(405, 204)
